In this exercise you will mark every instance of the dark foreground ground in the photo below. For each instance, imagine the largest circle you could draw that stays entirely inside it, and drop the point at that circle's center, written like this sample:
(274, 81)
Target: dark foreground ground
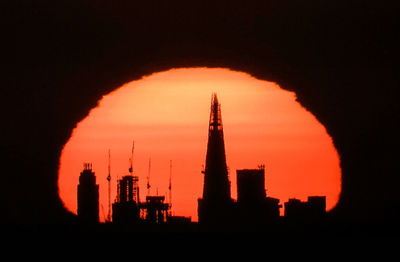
(320, 228)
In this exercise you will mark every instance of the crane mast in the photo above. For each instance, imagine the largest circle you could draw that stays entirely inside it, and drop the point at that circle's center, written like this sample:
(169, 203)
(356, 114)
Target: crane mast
(170, 183)
(135, 188)
(148, 178)
(109, 186)
(131, 159)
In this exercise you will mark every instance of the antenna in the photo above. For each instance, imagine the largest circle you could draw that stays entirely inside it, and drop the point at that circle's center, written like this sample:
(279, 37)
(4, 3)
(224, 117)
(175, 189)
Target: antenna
(148, 178)
(109, 186)
(131, 159)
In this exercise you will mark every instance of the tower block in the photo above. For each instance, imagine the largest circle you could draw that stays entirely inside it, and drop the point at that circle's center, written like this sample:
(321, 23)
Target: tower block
(88, 195)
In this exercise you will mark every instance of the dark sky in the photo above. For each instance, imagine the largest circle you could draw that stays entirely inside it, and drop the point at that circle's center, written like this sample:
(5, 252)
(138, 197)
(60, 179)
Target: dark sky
(340, 57)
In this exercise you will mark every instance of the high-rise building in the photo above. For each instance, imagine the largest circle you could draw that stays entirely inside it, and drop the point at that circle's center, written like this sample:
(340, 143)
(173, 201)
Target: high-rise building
(251, 185)
(88, 195)
(253, 205)
(216, 204)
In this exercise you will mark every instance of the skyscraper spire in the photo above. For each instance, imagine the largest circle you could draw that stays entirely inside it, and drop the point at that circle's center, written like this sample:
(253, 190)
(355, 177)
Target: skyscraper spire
(216, 182)
(216, 202)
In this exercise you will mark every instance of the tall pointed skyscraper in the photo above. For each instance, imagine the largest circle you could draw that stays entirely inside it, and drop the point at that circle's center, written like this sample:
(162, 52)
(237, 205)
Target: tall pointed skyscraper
(216, 204)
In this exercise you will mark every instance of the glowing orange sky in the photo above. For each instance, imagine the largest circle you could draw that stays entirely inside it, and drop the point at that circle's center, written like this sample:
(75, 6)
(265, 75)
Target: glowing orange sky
(167, 115)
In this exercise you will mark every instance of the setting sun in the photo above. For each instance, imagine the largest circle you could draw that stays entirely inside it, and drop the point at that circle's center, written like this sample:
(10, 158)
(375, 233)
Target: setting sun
(167, 115)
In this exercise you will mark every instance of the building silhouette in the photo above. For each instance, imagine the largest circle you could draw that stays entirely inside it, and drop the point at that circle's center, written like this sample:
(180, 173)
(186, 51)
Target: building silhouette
(253, 205)
(128, 209)
(125, 209)
(314, 207)
(253, 209)
(155, 209)
(250, 185)
(216, 204)
(88, 195)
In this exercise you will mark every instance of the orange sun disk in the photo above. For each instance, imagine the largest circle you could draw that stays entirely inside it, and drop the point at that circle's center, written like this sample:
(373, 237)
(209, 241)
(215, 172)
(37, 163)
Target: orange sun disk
(167, 115)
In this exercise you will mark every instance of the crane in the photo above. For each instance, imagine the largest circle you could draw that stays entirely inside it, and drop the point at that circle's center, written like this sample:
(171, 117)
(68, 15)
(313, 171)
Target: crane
(170, 183)
(109, 186)
(135, 178)
(131, 159)
(148, 178)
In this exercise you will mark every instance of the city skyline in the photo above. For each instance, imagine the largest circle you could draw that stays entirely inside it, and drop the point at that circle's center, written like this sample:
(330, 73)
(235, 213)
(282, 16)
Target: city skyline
(298, 154)
(333, 65)
(216, 207)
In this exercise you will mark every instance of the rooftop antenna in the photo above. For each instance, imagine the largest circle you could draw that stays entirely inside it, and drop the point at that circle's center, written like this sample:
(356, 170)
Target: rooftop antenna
(109, 186)
(148, 178)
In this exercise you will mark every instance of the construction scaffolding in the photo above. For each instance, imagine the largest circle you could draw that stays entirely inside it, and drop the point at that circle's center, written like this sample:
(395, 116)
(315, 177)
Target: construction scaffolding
(155, 210)
(126, 208)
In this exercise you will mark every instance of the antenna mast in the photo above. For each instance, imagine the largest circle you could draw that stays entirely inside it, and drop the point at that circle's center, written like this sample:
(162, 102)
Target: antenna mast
(109, 186)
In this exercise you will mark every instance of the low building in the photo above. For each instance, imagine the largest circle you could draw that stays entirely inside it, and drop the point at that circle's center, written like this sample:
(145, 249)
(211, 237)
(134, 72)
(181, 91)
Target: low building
(315, 207)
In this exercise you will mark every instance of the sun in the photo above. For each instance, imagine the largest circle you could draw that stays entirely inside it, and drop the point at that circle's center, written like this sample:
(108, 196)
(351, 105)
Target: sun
(167, 114)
